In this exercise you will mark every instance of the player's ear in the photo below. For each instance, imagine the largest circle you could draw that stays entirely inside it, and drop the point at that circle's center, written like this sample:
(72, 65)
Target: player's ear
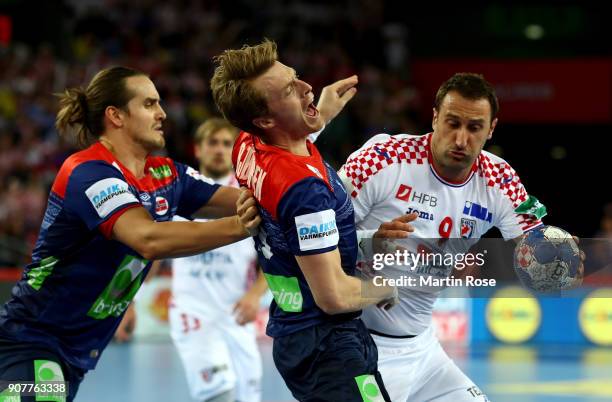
(435, 119)
(197, 150)
(114, 115)
(493, 124)
(265, 123)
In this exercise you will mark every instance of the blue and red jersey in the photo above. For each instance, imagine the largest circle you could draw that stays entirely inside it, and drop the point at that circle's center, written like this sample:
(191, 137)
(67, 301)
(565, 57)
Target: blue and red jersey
(305, 210)
(72, 296)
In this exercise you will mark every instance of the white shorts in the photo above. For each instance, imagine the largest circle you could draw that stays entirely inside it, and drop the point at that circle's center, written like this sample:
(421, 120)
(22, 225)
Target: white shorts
(217, 356)
(419, 370)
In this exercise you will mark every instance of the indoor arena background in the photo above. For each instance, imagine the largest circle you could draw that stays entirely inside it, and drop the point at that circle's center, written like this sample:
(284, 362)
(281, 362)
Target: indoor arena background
(549, 61)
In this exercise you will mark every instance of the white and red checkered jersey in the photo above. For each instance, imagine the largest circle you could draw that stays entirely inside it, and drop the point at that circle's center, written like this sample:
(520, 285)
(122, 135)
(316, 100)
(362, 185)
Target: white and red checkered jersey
(393, 175)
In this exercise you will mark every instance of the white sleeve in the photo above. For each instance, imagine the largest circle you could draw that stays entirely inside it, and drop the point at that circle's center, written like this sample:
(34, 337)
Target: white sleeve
(520, 212)
(507, 221)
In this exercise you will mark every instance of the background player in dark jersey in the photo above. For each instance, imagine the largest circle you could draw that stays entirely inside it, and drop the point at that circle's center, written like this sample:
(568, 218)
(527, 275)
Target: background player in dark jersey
(307, 243)
(108, 216)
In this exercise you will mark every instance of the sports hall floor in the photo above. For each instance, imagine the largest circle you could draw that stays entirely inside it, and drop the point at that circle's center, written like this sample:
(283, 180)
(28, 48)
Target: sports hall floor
(152, 372)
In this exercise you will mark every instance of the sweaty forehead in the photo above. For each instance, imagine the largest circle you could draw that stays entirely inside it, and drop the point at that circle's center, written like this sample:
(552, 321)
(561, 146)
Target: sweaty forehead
(471, 109)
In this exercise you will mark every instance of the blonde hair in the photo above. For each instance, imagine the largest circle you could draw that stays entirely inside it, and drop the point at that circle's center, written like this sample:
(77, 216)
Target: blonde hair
(232, 87)
(82, 109)
(211, 126)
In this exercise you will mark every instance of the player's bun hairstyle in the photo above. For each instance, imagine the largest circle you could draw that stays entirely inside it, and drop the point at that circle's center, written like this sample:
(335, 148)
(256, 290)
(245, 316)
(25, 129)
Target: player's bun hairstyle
(231, 86)
(211, 126)
(82, 110)
(471, 86)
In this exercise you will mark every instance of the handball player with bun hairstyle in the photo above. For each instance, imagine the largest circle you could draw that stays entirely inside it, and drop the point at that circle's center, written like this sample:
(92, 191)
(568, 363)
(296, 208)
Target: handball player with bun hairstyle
(109, 215)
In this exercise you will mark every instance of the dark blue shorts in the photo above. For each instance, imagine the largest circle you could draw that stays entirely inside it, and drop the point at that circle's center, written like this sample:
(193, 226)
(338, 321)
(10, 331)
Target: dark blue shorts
(330, 362)
(21, 362)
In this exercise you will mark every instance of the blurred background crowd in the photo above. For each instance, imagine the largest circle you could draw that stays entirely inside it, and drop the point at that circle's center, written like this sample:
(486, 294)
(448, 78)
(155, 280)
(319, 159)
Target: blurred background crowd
(64, 43)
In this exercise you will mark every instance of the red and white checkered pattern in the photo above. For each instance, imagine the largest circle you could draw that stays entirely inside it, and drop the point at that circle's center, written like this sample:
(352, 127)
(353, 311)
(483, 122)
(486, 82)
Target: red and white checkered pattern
(371, 160)
(502, 176)
(525, 256)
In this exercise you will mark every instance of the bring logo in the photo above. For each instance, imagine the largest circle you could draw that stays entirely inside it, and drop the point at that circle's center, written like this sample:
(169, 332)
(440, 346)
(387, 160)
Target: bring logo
(118, 294)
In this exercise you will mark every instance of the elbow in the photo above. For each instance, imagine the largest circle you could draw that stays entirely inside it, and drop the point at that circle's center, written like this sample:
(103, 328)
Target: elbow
(332, 304)
(148, 247)
(149, 252)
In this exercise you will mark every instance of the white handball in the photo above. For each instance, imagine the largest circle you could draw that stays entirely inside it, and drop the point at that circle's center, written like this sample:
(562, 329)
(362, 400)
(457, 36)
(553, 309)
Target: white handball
(547, 259)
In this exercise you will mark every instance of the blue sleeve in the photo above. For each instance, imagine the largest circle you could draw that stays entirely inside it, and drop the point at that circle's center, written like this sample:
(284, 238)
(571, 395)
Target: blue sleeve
(307, 217)
(96, 191)
(195, 192)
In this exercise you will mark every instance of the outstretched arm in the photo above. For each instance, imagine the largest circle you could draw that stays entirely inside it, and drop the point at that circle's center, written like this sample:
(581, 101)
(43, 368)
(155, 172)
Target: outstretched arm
(156, 240)
(221, 204)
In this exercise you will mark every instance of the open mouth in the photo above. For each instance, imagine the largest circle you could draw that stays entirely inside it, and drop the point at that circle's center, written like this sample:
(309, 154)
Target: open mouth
(312, 110)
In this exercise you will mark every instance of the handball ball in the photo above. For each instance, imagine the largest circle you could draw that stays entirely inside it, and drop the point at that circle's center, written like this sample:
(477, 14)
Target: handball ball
(547, 259)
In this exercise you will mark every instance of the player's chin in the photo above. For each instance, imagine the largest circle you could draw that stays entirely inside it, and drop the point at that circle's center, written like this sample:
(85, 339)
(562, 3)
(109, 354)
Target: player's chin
(314, 123)
(219, 170)
(156, 144)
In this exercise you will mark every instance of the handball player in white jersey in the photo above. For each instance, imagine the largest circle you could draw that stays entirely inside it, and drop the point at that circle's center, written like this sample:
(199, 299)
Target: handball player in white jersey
(216, 296)
(454, 189)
